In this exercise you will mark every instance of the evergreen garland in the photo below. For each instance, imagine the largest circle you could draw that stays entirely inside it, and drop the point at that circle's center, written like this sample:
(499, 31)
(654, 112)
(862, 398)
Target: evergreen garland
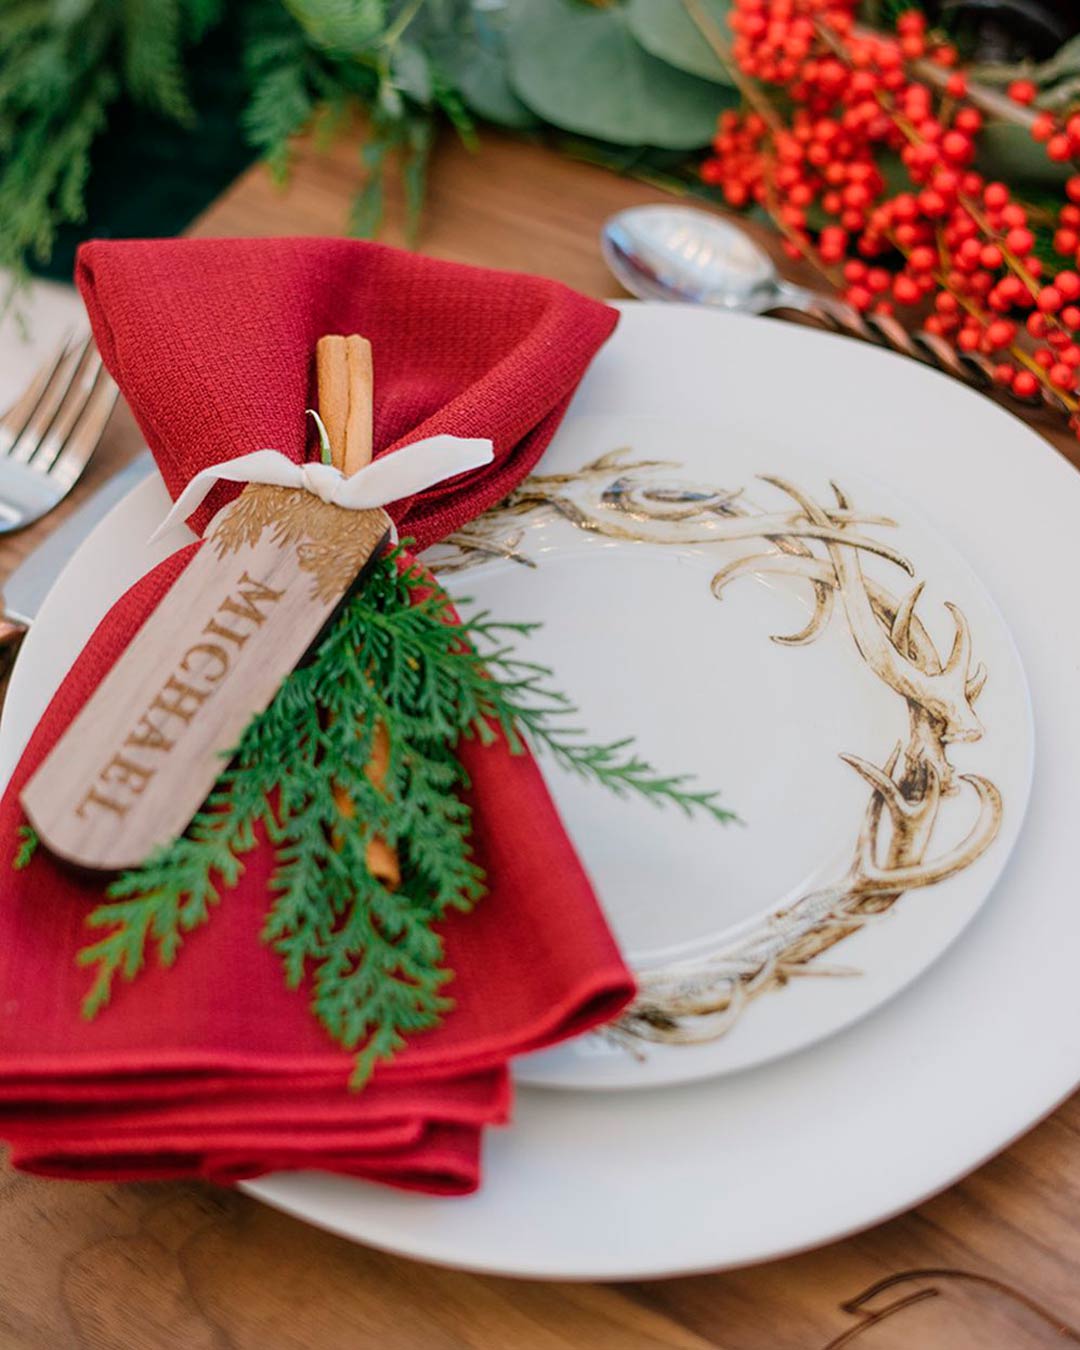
(408, 66)
(395, 658)
(64, 64)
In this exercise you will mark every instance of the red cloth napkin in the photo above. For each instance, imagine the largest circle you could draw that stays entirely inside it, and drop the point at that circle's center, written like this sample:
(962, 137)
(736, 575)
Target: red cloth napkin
(213, 1067)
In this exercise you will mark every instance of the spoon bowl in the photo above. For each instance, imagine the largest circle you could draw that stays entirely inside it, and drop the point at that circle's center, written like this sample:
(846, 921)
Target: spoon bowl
(666, 252)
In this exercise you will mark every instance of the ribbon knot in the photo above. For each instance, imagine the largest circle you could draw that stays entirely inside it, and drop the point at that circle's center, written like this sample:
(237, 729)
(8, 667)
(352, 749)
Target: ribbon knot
(387, 479)
(323, 480)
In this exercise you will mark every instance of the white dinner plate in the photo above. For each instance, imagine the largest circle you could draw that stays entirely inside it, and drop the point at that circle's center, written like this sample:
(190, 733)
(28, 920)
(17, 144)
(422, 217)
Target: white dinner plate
(760, 938)
(868, 1122)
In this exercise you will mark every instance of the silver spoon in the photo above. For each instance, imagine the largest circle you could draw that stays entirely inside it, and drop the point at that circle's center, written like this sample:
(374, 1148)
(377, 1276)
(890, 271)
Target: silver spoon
(683, 253)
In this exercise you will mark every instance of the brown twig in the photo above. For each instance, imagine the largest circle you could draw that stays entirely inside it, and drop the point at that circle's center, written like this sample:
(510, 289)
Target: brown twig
(987, 100)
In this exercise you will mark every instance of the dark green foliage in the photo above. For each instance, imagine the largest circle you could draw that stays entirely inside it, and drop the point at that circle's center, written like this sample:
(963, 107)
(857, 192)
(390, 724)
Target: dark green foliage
(64, 63)
(280, 66)
(372, 956)
(313, 62)
(66, 66)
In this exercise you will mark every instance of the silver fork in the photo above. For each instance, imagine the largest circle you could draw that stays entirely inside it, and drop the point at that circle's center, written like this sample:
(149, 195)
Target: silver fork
(47, 438)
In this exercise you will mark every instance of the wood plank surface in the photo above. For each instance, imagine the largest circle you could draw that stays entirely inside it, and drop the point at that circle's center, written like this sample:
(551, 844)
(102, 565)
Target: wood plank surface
(990, 1263)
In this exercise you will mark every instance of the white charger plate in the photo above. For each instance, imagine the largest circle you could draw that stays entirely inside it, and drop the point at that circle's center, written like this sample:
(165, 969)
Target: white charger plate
(866, 1123)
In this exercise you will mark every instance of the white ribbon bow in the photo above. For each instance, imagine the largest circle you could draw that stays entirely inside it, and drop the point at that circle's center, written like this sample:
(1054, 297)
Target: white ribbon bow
(390, 478)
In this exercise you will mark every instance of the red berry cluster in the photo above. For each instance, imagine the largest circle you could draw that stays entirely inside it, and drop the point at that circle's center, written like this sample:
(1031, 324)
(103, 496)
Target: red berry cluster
(867, 109)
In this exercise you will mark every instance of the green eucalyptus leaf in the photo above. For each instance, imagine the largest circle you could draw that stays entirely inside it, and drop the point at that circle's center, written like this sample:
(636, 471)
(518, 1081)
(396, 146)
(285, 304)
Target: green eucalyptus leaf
(580, 68)
(345, 26)
(410, 72)
(484, 86)
(473, 56)
(1007, 151)
(666, 30)
(389, 105)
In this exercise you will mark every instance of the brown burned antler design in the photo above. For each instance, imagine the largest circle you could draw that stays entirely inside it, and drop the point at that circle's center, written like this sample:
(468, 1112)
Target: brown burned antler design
(895, 847)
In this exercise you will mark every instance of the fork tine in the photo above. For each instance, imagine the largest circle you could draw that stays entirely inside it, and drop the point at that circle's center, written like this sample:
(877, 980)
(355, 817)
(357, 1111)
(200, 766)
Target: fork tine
(14, 420)
(41, 419)
(78, 394)
(87, 427)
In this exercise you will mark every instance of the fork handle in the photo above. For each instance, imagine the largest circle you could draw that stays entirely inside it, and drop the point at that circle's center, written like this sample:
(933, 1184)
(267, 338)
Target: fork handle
(11, 636)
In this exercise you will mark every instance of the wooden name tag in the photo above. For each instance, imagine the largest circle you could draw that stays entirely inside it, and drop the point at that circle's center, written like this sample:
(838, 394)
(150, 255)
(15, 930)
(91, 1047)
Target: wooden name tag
(141, 757)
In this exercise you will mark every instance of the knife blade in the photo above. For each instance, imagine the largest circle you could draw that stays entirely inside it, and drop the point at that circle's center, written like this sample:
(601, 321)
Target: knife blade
(25, 590)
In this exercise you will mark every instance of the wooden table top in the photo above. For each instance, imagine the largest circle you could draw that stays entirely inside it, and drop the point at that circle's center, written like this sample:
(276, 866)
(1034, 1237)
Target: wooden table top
(989, 1263)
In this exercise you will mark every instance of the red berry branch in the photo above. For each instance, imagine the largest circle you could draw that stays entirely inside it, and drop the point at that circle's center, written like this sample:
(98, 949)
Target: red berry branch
(862, 146)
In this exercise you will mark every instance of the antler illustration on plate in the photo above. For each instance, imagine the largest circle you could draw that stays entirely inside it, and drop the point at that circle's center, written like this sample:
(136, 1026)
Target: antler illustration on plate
(896, 845)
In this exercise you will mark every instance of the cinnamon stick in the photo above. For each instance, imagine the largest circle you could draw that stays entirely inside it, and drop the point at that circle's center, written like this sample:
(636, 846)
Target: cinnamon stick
(332, 379)
(345, 380)
(361, 389)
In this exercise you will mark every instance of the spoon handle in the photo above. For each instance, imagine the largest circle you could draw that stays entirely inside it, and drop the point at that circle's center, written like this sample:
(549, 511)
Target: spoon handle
(883, 330)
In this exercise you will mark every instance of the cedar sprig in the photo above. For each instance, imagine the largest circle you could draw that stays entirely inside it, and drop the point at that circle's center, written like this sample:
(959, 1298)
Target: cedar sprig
(373, 957)
(520, 699)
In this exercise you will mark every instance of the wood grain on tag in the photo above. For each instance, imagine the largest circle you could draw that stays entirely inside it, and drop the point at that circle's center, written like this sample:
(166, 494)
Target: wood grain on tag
(140, 759)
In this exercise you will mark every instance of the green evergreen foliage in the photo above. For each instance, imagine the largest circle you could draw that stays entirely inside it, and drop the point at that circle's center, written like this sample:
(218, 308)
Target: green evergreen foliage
(63, 65)
(371, 956)
(409, 65)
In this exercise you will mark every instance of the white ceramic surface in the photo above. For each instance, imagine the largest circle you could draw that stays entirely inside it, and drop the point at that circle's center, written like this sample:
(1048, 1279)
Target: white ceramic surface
(615, 562)
(875, 1118)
